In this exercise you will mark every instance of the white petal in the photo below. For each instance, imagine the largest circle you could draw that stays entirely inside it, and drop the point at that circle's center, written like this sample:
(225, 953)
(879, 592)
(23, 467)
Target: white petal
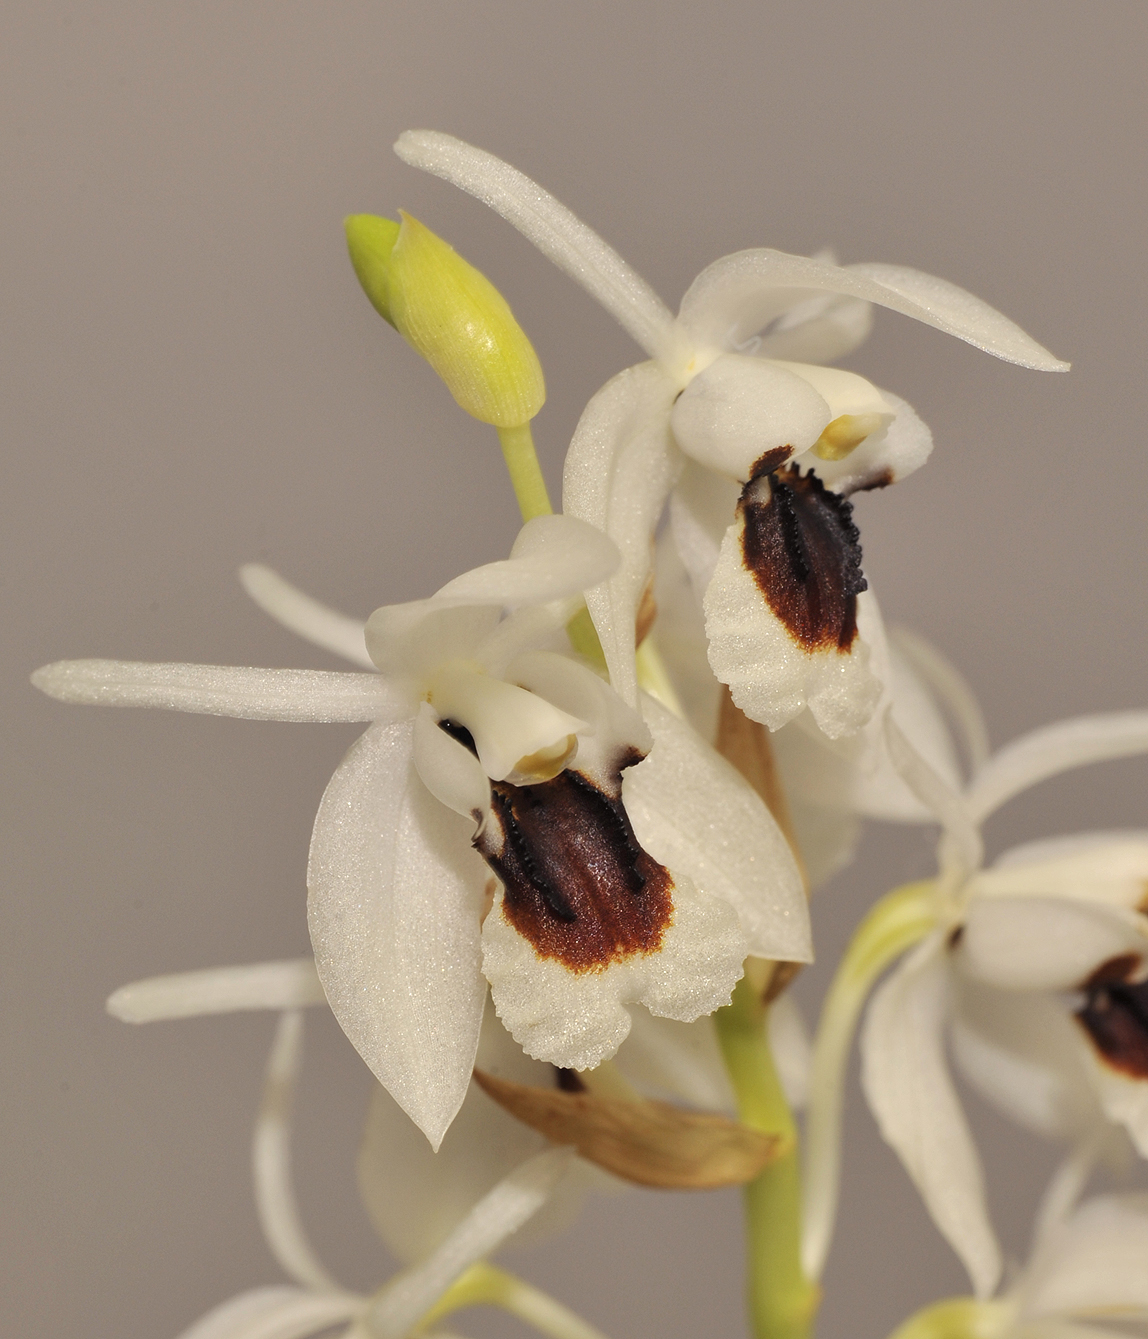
(275, 1313)
(499, 1213)
(620, 467)
(701, 507)
(395, 894)
(697, 815)
(416, 1198)
(553, 556)
(1044, 943)
(219, 990)
(1095, 1264)
(929, 665)
(288, 605)
(407, 641)
(771, 676)
(739, 409)
(739, 294)
(884, 457)
(907, 1084)
(1022, 1053)
(271, 1161)
(223, 690)
(576, 249)
(677, 1061)
(449, 770)
(792, 1049)
(1054, 749)
(1124, 1098)
(577, 1019)
(819, 329)
(1112, 871)
(962, 839)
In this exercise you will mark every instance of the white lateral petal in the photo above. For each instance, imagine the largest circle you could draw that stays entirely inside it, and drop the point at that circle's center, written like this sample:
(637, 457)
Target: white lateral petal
(739, 409)
(1112, 871)
(620, 467)
(1022, 1052)
(553, 557)
(697, 815)
(1044, 943)
(407, 641)
(449, 770)
(286, 604)
(275, 1313)
(911, 1095)
(771, 676)
(562, 237)
(395, 893)
(271, 1161)
(218, 990)
(1054, 749)
(677, 1061)
(928, 663)
(577, 1019)
(416, 1198)
(223, 690)
(499, 1213)
(739, 294)
(1094, 1265)
(819, 329)
(681, 633)
(884, 457)
(701, 508)
(936, 794)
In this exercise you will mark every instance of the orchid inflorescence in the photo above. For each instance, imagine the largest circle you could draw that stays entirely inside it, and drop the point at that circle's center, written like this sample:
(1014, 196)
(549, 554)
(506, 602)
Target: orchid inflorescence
(558, 887)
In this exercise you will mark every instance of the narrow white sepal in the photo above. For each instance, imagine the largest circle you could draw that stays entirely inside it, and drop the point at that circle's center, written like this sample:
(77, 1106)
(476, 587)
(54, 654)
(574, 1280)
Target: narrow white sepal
(218, 990)
(275, 1313)
(338, 633)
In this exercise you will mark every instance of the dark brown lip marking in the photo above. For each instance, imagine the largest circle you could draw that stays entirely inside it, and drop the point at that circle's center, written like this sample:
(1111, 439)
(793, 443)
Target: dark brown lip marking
(567, 1080)
(577, 884)
(1115, 1015)
(880, 480)
(770, 460)
(803, 550)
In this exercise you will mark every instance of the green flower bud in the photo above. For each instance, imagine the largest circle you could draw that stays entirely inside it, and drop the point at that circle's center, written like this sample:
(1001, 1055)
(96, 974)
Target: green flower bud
(451, 314)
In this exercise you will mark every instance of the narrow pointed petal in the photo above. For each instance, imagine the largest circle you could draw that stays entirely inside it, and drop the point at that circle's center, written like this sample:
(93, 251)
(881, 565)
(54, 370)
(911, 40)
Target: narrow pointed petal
(820, 329)
(275, 1313)
(553, 557)
(1111, 871)
(1053, 749)
(950, 687)
(492, 1220)
(1094, 1265)
(619, 470)
(271, 1161)
(739, 294)
(562, 237)
(938, 795)
(219, 990)
(223, 690)
(339, 633)
(911, 1095)
(696, 814)
(394, 906)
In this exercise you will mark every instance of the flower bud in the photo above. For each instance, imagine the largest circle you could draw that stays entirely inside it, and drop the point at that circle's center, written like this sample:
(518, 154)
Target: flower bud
(451, 314)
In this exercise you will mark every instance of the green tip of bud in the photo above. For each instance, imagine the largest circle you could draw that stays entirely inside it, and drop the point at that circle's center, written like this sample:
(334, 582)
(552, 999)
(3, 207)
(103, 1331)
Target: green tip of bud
(370, 240)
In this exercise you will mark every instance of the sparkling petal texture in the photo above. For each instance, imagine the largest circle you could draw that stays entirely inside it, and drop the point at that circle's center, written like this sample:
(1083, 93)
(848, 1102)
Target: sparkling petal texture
(335, 632)
(620, 467)
(223, 690)
(697, 815)
(577, 1020)
(394, 903)
(911, 1095)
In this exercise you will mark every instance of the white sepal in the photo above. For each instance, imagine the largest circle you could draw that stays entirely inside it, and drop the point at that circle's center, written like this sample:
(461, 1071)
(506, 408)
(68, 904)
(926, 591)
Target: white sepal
(1093, 1266)
(218, 990)
(911, 1095)
(286, 604)
(395, 894)
(275, 1313)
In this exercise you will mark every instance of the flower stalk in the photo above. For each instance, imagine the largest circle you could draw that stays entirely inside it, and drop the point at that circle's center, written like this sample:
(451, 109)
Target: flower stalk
(487, 1285)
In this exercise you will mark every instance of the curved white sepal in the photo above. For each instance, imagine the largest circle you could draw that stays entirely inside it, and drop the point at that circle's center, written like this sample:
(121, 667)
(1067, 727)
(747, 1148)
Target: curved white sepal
(299, 613)
(218, 990)
(275, 1313)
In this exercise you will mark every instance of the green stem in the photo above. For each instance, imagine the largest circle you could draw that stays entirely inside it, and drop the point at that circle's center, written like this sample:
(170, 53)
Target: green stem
(959, 1318)
(525, 472)
(487, 1285)
(782, 1301)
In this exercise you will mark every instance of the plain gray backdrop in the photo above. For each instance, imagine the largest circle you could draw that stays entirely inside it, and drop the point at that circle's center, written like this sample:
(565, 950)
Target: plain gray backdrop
(193, 380)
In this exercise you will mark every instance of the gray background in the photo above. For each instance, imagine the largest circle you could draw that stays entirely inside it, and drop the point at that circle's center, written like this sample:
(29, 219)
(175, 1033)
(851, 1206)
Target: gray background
(194, 380)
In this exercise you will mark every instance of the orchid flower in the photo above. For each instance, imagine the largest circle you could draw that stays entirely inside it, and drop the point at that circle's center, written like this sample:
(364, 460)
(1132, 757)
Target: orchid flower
(761, 451)
(442, 1216)
(1036, 963)
(482, 828)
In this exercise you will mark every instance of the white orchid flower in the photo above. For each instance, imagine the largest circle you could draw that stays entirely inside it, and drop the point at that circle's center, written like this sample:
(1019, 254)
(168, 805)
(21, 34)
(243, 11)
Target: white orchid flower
(1036, 963)
(441, 1215)
(490, 757)
(741, 432)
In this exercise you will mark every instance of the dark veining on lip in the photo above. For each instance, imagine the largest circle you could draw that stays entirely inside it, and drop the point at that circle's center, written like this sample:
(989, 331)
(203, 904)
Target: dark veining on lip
(577, 884)
(803, 550)
(1115, 1015)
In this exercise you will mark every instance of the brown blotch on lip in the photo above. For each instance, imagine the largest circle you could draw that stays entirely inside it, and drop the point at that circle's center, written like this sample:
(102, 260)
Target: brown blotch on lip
(769, 461)
(1115, 1015)
(880, 480)
(577, 884)
(803, 550)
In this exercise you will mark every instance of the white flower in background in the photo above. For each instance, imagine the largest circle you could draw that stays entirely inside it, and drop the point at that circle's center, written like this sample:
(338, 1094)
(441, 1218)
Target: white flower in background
(762, 451)
(490, 755)
(1036, 963)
